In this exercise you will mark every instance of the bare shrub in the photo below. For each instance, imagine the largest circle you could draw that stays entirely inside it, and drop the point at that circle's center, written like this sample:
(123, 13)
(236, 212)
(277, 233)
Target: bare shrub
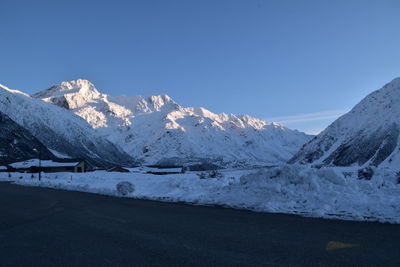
(211, 174)
(202, 175)
(214, 174)
(125, 188)
(365, 173)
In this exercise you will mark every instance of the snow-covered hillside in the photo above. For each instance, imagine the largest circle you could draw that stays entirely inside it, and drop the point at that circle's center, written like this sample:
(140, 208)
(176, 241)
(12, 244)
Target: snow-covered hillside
(59, 130)
(17, 143)
(367, 135)
(155, 129)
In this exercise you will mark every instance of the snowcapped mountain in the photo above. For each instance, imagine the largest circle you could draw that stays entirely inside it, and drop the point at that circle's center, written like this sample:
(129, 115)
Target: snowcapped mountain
(156, 129)
(16, 143)
(367, 135)
(58, 130)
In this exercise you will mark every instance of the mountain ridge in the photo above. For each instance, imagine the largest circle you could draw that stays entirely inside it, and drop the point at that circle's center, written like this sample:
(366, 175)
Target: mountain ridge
(59, 130)
(366, 135)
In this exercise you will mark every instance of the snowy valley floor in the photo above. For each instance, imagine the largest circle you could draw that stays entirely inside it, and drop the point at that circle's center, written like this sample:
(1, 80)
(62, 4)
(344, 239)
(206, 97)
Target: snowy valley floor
(326, 192)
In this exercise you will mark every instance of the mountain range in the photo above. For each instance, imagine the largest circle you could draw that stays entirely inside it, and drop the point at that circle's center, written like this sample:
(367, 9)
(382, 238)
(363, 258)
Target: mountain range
(157, 130)
(73, 119)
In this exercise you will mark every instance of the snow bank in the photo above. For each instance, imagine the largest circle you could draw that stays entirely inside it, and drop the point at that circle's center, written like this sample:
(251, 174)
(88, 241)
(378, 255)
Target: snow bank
(300, 190)
(324, 193)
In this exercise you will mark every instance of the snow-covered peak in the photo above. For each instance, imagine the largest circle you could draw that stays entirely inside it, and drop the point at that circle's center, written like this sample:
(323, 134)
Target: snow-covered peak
(276, 124)
(71, 94)
(161, 100)
(84, 87)
(78, 83)
(158, 102)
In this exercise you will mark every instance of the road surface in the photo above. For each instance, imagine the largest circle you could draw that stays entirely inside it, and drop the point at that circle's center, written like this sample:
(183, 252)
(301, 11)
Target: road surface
(46, 227)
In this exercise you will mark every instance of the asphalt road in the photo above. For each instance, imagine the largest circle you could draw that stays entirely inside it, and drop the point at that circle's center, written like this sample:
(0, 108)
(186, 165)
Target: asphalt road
(45, 227)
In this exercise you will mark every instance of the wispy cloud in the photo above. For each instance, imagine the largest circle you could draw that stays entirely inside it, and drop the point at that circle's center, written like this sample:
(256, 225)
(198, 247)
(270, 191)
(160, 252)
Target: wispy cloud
(317, 116)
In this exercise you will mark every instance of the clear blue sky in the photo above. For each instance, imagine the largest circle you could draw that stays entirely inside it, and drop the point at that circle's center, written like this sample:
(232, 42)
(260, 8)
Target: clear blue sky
(299, 62)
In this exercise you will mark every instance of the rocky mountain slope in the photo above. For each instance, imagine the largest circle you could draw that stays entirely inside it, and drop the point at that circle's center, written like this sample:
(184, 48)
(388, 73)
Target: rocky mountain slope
(58, 130)
(367, 135)
(17, 144)
(156, 129)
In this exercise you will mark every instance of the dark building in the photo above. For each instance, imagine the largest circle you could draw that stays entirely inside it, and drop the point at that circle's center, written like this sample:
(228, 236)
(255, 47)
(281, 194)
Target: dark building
(51, 166)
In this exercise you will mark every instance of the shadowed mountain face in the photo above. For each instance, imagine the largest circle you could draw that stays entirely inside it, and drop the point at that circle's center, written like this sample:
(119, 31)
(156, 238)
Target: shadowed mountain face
(60, 130)
(157, 130)
(16, 143)
(367, 135)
